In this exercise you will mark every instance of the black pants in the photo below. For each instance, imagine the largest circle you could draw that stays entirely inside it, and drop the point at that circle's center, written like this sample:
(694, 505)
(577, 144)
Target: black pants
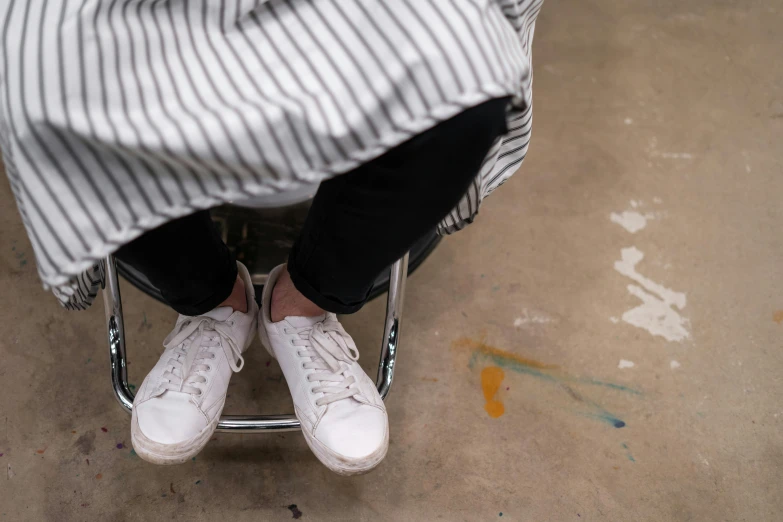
(359, 222)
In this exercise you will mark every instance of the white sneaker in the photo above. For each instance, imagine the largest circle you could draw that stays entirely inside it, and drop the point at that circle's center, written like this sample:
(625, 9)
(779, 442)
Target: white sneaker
(180, 401)
(343, 418)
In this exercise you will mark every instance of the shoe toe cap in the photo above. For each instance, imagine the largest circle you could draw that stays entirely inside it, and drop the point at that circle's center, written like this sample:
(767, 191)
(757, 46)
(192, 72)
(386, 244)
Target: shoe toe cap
(354, 436)
(170, 419)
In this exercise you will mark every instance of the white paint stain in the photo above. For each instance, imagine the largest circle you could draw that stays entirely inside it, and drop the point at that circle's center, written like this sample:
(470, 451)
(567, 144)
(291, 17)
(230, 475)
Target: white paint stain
(624, 363)
(530, 318)
(628, 121)
(634, 220)
(657, 313)
(657, 201)
(674, 365)
(630, 220)
(676, 155)
(615, 320)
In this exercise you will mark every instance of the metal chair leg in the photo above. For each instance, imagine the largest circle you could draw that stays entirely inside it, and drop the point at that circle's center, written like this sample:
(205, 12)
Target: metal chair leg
(250, 423)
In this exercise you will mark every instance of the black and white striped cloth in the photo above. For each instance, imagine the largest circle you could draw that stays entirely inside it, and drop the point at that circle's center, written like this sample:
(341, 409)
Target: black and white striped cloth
(117, 115)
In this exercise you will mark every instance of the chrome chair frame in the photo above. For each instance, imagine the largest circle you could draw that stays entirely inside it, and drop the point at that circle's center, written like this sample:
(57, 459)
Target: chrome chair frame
(250, 423)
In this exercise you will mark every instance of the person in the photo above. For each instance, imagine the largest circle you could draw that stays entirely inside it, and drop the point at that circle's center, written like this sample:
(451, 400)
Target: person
(121, 127)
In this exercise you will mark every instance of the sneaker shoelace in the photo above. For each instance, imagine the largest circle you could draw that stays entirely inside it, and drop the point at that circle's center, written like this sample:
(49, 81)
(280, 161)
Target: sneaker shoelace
(194, 341)
(329, 348)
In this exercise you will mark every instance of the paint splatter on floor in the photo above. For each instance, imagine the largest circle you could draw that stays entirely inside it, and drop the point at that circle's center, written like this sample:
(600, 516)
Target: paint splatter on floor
(778, 316)
(104, 430)
(517, 363)
(658, 312)
(295, 511)
(507, 358)
(40, 451)
(624, 363)
(628, 453)
(120, 445)
(528, 318)
(502, 359)
(630, 220)
(99, 476)
(491, 379)
(430, 379)
(674, 365)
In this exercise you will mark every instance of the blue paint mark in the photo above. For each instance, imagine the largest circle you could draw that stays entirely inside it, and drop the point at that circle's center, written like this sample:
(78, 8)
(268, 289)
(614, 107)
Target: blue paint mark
(611, 385)
(628, 454)
(606, 417)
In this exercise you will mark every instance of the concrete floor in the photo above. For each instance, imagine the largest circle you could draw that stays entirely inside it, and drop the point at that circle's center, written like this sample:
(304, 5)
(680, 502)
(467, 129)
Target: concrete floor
(670, 111)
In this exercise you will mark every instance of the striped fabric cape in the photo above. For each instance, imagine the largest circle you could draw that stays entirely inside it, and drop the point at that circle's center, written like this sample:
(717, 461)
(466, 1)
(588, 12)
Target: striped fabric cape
(117, 116)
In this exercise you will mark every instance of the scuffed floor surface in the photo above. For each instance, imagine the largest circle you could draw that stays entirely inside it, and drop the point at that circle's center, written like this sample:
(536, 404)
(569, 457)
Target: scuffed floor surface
(603, 344)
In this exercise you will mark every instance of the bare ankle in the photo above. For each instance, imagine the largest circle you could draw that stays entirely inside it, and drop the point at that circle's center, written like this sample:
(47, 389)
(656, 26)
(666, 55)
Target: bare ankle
(238, 298)
(287, 301)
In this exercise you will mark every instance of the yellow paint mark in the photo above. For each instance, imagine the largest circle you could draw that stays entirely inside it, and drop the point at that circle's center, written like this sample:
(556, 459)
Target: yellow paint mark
(430, 379)
(491, 377)
(778, 316)
(485, 349)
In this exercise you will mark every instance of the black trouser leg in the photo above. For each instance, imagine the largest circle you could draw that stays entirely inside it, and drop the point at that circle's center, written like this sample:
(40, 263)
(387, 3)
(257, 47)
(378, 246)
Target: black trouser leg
(187, 261)
(364, 220)
(358, 225)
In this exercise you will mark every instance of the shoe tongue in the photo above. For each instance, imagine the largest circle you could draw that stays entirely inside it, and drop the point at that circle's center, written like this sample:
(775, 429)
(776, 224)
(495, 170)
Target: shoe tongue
(301, 322)
(220, 314)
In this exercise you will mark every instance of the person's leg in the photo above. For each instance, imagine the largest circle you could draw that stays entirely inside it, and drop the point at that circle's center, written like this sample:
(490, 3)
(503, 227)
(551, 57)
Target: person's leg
(358, 225)
(179, 403)
(188, 262)
(363, 221)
